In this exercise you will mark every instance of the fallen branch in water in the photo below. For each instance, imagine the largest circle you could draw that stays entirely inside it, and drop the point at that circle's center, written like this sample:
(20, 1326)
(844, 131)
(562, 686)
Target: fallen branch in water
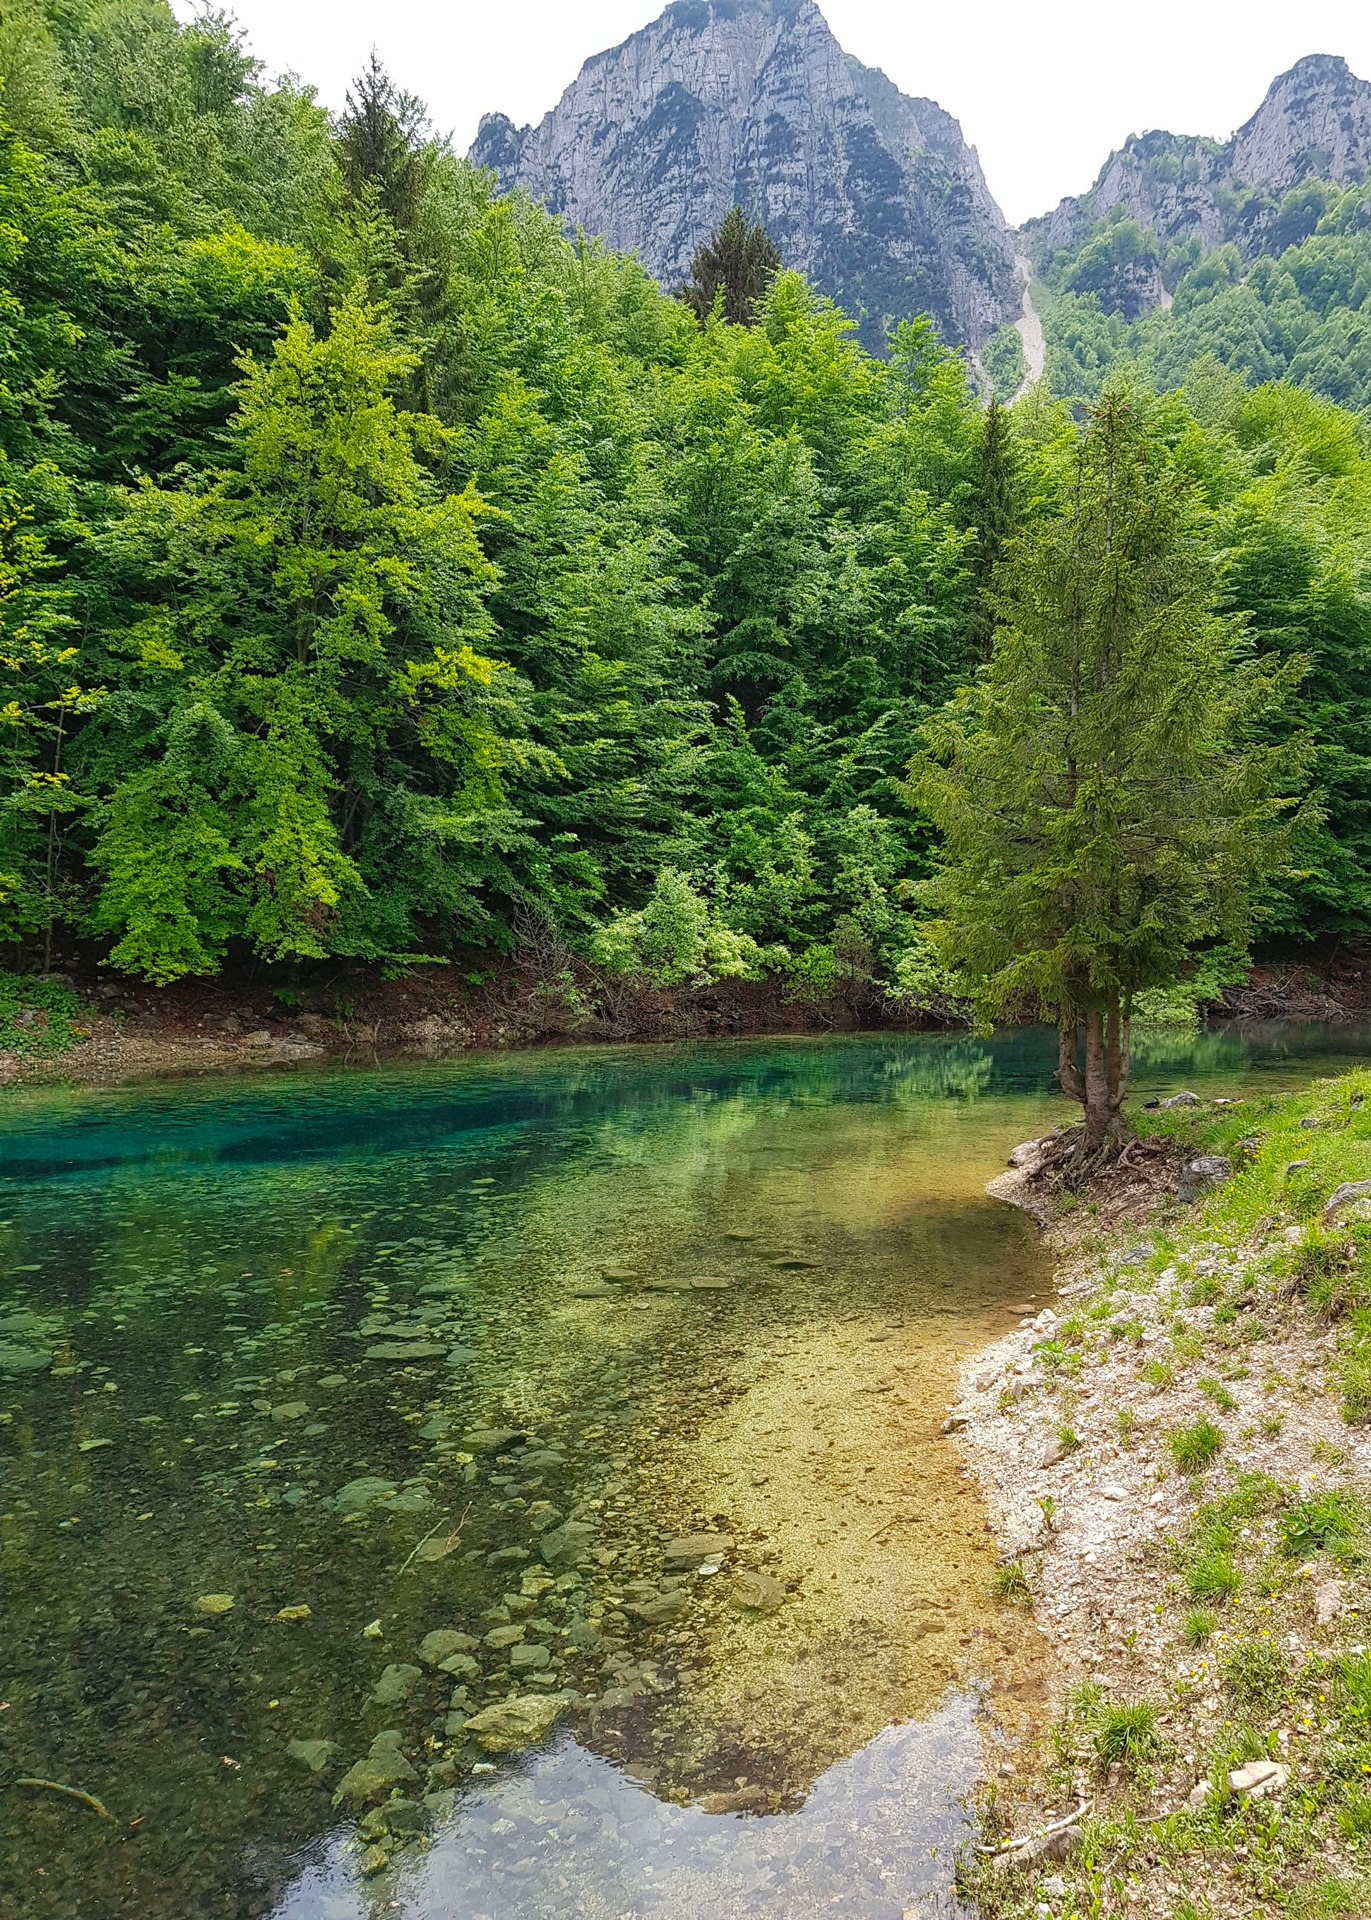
(71, 1793)
(1031, 1839)
(448, 1544)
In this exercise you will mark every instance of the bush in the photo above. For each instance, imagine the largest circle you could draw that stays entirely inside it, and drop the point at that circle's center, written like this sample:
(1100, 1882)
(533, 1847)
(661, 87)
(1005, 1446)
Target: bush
(677, 938)
(1195, 1448)
(36, 1015)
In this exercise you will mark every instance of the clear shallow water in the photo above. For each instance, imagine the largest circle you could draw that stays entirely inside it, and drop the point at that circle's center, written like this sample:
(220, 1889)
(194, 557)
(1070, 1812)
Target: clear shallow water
(705, 1288)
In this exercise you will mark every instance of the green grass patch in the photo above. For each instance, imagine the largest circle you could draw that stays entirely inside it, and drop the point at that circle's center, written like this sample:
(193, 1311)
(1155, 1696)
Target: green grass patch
(1010, 1582)
(1195, 1448)
(1127, 1736)
(1328, 1523)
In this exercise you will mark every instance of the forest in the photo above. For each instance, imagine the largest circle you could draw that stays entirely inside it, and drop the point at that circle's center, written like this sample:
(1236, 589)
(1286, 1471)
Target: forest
(385, 576)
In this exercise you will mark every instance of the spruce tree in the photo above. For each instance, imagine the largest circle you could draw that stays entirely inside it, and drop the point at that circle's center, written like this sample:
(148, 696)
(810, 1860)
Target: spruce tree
(1105, 804)
(741, 260)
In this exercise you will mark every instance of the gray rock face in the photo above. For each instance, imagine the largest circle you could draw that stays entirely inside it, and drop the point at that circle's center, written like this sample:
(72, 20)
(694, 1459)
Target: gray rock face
(873, 195)
(1314, 124)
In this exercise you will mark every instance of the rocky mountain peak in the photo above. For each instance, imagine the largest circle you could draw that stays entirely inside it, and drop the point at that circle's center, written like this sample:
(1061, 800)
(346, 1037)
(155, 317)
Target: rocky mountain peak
(1315, 123)
(873, 194)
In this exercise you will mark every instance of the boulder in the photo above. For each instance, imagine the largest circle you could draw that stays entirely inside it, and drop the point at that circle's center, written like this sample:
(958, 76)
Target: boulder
(511, 1725)
(442, 1643)
(395, 1685)
(1345, 1196)
(383, 1768)
(1199, 1175)
(1185, 1099)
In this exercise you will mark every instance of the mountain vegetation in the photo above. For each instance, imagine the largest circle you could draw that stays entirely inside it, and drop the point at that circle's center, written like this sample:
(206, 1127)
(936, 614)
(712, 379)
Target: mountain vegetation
(386, 576)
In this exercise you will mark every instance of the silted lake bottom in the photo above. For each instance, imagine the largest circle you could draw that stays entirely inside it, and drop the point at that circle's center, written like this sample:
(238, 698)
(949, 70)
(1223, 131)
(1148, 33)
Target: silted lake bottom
(298, 1373)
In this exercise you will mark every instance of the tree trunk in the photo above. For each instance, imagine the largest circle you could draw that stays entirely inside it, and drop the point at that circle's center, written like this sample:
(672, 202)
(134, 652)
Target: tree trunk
(1097, 1110)
(1068, 1071)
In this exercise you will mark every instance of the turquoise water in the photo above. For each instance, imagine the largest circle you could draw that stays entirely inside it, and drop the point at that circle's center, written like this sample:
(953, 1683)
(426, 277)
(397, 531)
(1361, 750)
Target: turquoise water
(460, 1350)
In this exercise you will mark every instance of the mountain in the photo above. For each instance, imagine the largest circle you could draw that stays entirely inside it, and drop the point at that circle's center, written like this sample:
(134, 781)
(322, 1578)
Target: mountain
(1187, 195)
(873, 195)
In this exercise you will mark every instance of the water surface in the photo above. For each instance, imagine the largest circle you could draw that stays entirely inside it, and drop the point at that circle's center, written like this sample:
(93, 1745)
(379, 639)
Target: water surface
(464, 1348)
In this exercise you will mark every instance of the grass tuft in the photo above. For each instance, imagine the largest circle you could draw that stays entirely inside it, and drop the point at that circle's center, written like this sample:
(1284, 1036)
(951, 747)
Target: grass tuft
(1195, 1448)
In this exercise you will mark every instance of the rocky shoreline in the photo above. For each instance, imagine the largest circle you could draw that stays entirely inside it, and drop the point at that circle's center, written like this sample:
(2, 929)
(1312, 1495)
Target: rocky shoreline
(1070, 1427)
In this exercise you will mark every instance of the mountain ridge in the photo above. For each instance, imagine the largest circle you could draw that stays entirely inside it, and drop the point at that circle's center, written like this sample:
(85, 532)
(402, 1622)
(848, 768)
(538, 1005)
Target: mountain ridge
(873, 193)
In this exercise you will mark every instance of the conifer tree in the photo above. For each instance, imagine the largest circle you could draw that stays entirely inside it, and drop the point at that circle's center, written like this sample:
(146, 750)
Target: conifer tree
(1105, 804)
(741, 260)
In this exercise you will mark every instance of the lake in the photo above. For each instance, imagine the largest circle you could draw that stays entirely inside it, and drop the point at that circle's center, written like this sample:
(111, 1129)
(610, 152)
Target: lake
(339, 1411)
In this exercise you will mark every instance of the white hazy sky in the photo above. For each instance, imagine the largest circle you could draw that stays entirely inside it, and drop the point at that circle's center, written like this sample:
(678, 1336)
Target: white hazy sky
(1043, 88)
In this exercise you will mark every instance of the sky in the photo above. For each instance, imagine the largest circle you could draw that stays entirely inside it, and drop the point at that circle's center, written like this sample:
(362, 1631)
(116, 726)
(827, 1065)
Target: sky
(1044, 89)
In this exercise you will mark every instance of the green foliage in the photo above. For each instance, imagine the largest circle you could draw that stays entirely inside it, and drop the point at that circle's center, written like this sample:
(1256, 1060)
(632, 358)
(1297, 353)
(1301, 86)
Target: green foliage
(36, 1015)
(733, 269)
(1195, 1448)
(1200, 1624)
(1005, 362)
(1213, 1576)
(1256, 1674)
(676, 939)
(1324, 1523)
(1126, 1736)
(380, 571)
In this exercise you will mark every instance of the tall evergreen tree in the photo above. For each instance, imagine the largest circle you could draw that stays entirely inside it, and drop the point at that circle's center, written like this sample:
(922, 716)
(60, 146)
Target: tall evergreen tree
(740, 261)
(1104, 806)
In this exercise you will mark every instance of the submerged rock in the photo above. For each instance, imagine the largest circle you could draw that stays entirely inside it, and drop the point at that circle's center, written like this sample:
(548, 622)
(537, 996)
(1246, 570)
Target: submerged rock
(395, 1685)
(442, 1643)
(662, 1607)
(384, 1767)
(358, 1495)
(757, 1592)
(567, 1545)
(493, 1439)
(314, 1754)
(512, 1725)
(689, 1549)
(405, 1350)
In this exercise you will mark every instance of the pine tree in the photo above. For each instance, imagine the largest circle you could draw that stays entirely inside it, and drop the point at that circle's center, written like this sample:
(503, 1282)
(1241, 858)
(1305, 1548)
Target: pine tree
(741, 261)
(1104, 804)
(994, 512)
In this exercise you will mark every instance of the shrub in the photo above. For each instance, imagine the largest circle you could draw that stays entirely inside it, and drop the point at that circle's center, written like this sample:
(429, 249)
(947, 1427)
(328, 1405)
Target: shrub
(1195, 1448)
(35, 1015)
(677, 937)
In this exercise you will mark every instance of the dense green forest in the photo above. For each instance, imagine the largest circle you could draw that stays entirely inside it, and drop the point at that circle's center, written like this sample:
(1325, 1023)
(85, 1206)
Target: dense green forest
(383, 575)
(1284, 299)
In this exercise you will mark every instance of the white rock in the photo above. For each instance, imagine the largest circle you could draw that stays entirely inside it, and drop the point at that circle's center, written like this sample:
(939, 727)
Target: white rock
(1113, 1493)
(1258, 1779)
(1327, 1603)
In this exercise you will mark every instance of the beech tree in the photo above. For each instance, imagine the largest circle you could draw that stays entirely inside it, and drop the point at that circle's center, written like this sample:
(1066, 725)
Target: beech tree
(1107, 802)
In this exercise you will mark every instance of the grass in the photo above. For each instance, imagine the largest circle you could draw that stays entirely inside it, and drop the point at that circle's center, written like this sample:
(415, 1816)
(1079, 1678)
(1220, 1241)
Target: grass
(1010, 1582)
(1256, 1674)
(1195, 1448)
(1200, 1623)
(1158, 1374)
(1328, 1523)
(1215, 1390)
(1127, 1736)
(1213, 1577)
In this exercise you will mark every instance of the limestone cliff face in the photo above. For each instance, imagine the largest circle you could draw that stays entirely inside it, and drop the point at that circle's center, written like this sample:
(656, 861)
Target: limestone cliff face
(873, 195)
(1314, 124)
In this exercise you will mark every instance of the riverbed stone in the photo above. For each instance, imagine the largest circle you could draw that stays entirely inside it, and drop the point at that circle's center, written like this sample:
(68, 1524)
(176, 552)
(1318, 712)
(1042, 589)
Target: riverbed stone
(493, 1439)
(689, 1549)
(662, 1607)
(367, 1491)
(384, 1767)
(405, 1350)
(510, 1636)
(395, 1685)
(442, 1643)
(757, 1592)
(511, 1725)
(567, 1545)
(314, 1754)
(528, 1656)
